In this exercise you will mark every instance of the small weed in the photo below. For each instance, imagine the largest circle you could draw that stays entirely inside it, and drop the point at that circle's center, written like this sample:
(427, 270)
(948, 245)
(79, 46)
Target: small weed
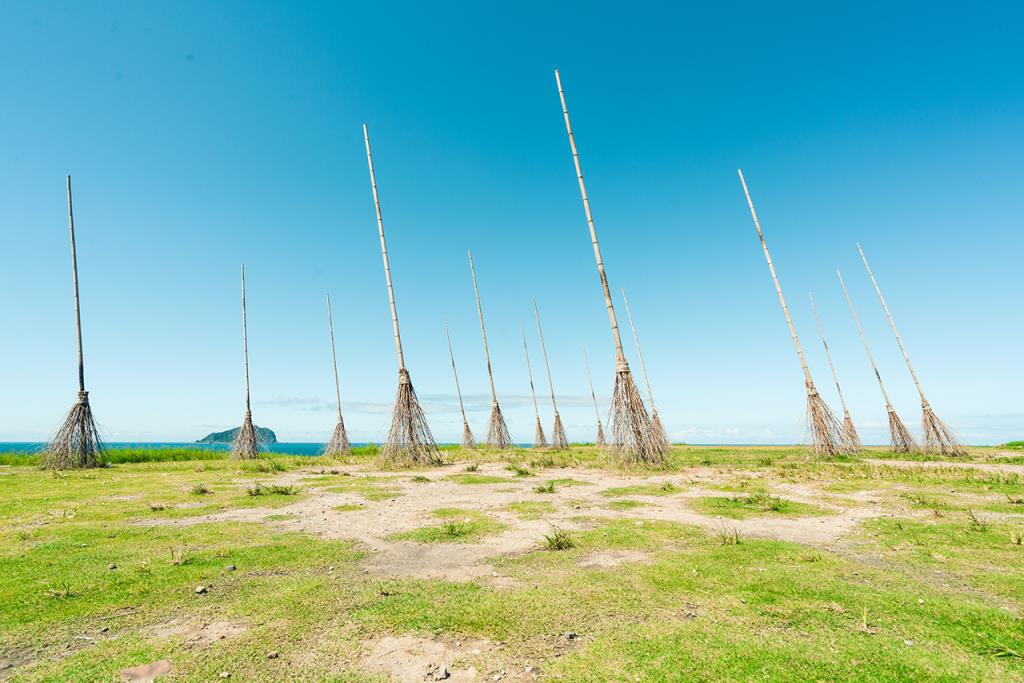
(977, 523)
(62, 593)
(200, 490)
(519, 470)
(728, 535)
(558, 539)
(181, 556)
(1015, 500)
(473, 467)
(1017, 536)
(454, 528)
(156, 507)
(266, 465)
(548, 487)
(420, 479)
(274, 490)
(667, 486)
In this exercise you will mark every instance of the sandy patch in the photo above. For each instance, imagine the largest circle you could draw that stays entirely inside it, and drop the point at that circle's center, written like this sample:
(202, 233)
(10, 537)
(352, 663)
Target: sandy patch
(408, 659)
(144, 673)
(197, 634)
(612, 558)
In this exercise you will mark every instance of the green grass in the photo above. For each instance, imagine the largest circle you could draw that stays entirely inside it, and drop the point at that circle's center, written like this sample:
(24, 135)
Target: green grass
(459, 526)
(530, 509)
(626, 504)
(907, 597)
(1018, 445)
(472, 478)
(751, 505)
(665, 488)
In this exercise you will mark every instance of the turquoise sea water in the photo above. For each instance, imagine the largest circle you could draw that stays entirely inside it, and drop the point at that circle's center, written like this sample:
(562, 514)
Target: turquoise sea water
(289, 448)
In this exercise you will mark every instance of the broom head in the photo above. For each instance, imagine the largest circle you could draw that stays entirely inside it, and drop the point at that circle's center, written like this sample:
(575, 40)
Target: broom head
(824, 429)
(409, 440)
(497, 430)
(467, 437)
(558, 440)
(338, 444)
(246, 445)
(632, 441)
(77, 443)
(538, 436)
(899, 435)
(850, 432)
(938, 437)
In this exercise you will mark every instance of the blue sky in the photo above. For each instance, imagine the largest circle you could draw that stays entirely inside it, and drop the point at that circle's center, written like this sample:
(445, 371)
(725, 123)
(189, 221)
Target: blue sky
(201, 135)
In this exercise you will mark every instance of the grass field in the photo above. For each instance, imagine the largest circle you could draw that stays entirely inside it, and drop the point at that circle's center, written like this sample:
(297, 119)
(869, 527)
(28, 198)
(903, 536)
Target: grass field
(729, 563)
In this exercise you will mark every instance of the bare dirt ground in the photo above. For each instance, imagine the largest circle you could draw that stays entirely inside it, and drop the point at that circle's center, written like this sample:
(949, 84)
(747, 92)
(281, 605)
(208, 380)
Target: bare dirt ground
(583, 503)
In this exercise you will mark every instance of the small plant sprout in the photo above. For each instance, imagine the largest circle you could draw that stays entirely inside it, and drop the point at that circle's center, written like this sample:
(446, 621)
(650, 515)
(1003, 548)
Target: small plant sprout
(200, 490)
(548, 487)
(420, 479)
(472, 467)
(519, 470)
(455, 529)
(728, 535)
(977, 523)
(558, 539)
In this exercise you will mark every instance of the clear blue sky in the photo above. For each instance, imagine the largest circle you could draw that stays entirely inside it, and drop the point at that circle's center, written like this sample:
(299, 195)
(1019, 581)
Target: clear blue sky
(201, 135)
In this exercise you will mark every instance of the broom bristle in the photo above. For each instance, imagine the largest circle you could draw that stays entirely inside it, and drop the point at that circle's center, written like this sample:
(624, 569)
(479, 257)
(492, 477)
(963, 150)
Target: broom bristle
(632, 441)
(77, 443)
(599, 441)
(658, 432)
(558, 440)
(246, 445)
(409, 439)
(497, 430)
(850, 432)
(467, 437)
(899, 435)
(338, 444)
(938, 437)
(538, 436)
(825, 431)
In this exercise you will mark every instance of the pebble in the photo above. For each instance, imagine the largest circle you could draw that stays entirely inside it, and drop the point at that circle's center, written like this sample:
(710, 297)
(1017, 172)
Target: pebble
(571, 635)
(230, 568)
(111, 566)
(225, 674)
(200, 590)
(272, 655)
(104, 629)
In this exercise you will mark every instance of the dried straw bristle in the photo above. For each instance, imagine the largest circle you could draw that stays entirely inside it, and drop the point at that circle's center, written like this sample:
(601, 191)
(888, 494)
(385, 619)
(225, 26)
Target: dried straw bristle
(850, 432)
(497, 430)
(338, 445)
(899, 435)
(538, 436)
(409, 439)
(467, 437)
(658, 432)
(938, 437)
(558, 440)
(77, 443)
(630, 424)
(599, 441)
(825, 431)
(246, 445)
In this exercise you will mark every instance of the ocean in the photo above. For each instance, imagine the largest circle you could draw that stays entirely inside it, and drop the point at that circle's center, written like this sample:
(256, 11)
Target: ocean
(287, 448)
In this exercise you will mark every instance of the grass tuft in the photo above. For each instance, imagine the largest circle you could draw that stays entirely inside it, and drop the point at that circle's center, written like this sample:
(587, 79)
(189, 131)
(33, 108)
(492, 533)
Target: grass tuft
(558, 539)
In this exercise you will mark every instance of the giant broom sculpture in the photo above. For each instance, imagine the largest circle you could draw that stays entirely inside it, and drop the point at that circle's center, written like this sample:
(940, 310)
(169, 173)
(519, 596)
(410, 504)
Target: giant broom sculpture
(246, 444)
(657, 429)
(538, 434)
(497, 430)
(558, 439)
(899, 437)
(467, 435)
(825, 431)
(938, 438)
(77, 443)
(338, 445)
(632, 438)
(409, 440)
(599, 440)
(849, 430)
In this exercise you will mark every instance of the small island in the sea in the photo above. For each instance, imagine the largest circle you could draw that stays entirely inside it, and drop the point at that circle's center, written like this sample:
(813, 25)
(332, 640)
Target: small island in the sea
(265, 436)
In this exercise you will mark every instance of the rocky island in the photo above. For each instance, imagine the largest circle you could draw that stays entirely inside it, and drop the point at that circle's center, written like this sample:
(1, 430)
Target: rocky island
(265, 436)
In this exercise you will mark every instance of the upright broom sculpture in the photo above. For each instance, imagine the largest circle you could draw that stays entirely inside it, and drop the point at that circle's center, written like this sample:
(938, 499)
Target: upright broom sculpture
(497, 430)
(599, 440)
(246, 444)
(338, 445)
(849, 431)
(409, 440)
(899, 437)
(77, 443)
(657, 429)
(538, 434)
(632, 438)
(558, 440)
(825, 431)
(467, 435)
(938, 438)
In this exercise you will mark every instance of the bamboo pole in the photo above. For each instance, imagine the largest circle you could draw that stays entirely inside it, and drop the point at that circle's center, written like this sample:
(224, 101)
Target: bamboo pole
(892, 324)
(867, 347)
(639, 353)
(455, 372)
(74, 275)
(597, 412)
(245, 344)
(384, 253)
(620, 357)
(529, 373)
(828, 353)
(544, 351)
(334, 356)
(483, 330)
(778, 288)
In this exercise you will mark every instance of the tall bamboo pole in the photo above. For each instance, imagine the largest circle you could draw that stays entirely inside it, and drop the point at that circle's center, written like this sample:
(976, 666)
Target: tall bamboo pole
(483, 330)
(334, 356)
(825, 430)
(538, 441)
(639, 353)
(849, 430)
(384, 253)
(74, 275)
(599, 441)
(467, 434)
(558, 437)
(900, 438)
(245, 345)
